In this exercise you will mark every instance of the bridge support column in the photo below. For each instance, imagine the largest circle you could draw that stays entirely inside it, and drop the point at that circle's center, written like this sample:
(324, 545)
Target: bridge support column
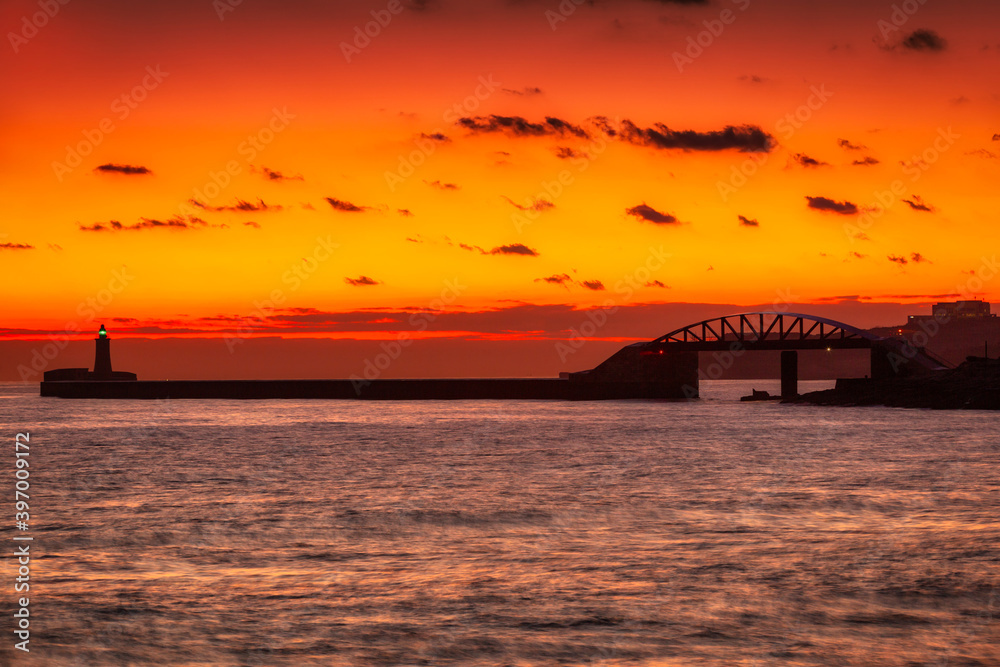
(789, 374)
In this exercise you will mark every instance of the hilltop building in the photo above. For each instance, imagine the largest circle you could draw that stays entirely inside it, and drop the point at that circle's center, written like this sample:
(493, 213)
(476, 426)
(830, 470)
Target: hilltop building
(954, 330)
(948, 311)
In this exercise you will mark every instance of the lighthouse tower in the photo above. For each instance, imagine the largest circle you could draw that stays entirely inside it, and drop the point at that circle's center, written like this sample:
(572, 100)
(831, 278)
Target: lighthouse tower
(102, 356)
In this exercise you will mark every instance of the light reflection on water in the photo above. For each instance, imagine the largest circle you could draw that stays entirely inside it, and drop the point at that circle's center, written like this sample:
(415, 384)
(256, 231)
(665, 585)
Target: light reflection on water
(509, 533)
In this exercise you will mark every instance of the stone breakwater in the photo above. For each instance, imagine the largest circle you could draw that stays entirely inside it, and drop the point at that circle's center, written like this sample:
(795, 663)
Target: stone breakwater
(975, 385)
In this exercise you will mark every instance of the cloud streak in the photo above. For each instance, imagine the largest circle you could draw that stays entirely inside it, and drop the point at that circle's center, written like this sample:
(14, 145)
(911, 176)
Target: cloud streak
(517, 126)
(442, 186)
(538, 205)
(361, 281)
(742, 138)
(514, 249)
(839, 207)
(177, 222)
(272, 175)
(239, 206)
(126, 169)
(918, 204)
(806, 161)
(650, 214)
(345, 206)
(924, 40)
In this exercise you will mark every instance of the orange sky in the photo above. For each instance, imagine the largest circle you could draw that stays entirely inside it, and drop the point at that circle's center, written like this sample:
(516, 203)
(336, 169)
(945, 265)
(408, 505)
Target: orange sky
(915, 107)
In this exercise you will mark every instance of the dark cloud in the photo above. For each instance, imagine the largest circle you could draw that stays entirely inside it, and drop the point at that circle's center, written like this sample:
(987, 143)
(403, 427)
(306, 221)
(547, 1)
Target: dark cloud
(239, 206)
(345, 206)
(16, 246)
(917, 258)
(807, 161)
(442, 186)
(538, 205)
(983, 153)
(273, 175)
(747, 222)
(751, 78)
(520, 127)
(840, 207)
(528, 91)
(566, 153)
(918, 204)
(996, 137)
(656, 283)
(436, 136)
(556, 279)
(858, 255)
(127, 169)
(650, 214)
(514, 249)
(251, 223)
(865, 162)
(361, 281)
(848, 146)
(924, 40)
(897, 259)
(745, 138)
(177, 222)
(405, 212)
(595, 285)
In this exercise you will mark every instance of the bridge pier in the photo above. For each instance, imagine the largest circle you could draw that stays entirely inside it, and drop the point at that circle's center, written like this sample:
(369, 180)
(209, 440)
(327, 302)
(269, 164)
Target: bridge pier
(789, 374)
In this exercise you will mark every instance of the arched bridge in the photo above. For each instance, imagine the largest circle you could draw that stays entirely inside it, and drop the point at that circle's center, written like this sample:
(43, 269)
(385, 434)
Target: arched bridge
(768, 331)
(673, 357)
(787, 331)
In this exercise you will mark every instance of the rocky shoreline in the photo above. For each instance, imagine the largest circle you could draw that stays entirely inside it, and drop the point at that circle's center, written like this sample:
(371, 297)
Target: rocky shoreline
(975, 385)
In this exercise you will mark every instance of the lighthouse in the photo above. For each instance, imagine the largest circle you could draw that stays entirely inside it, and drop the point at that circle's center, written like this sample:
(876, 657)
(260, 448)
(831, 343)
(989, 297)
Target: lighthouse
(102, 356)
(102, 366)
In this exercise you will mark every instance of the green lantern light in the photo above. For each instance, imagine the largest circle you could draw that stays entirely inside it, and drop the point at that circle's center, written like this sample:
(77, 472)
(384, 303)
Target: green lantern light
(103, 333)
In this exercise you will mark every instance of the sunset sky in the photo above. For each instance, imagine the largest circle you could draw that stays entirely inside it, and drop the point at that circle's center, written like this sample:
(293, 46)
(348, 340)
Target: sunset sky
(258, 168)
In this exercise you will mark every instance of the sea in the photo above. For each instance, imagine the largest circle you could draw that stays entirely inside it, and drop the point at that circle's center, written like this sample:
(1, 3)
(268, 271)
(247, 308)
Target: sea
(501, 533)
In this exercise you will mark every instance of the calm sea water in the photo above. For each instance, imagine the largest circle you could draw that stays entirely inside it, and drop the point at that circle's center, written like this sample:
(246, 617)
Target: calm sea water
(505, 533)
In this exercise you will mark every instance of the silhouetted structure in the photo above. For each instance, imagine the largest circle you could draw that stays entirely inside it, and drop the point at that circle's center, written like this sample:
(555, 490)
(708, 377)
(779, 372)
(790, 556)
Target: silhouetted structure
(947, 311)
(102, 366)
(663, 368)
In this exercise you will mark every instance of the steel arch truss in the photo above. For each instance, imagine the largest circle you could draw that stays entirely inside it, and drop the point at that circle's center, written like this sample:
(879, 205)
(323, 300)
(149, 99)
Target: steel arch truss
(767, 329)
